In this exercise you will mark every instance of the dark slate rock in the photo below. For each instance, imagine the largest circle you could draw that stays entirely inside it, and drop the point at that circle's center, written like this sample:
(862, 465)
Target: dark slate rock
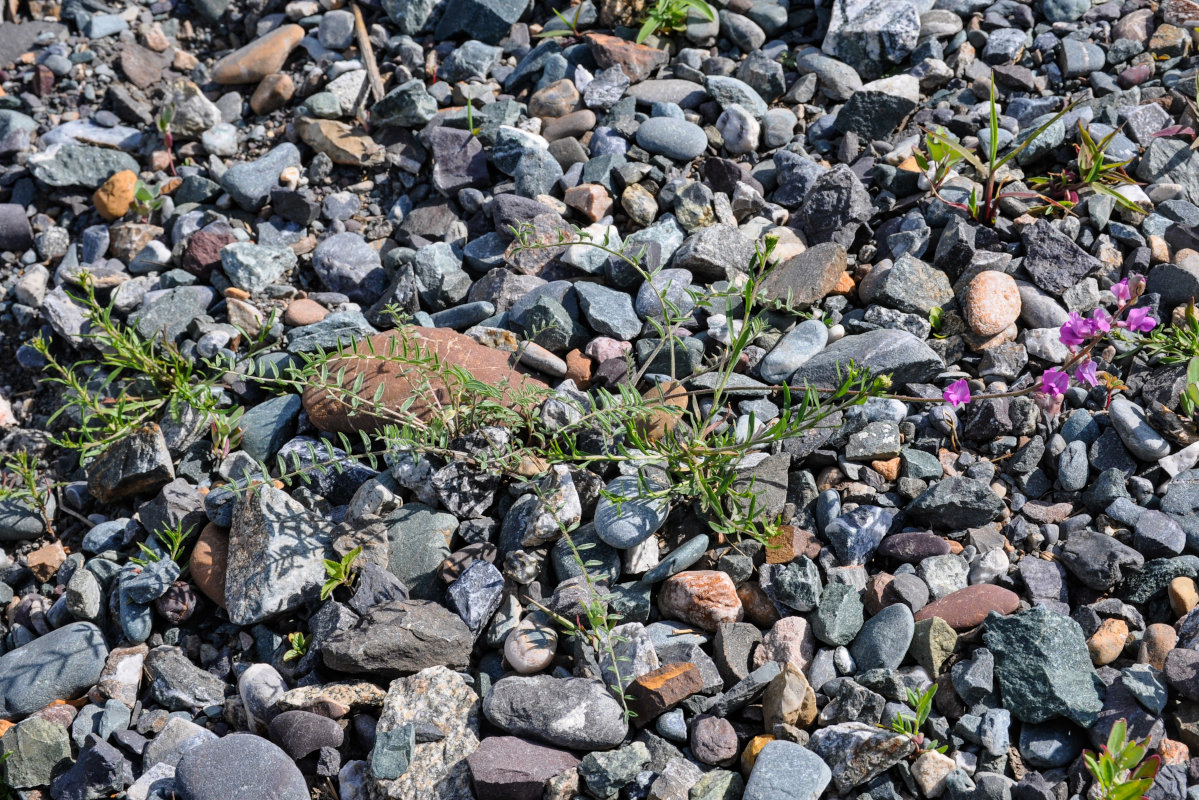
(61, 665)
(400, 638)
(1054, 262)
(957, 503)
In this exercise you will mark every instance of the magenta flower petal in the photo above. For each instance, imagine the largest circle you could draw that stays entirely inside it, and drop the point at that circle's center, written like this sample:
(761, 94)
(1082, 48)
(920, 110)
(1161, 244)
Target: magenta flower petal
(1139, 320)
(1121, 292)
(1101, 321)
(1085, 373)
(1054, 382)
(957, 393)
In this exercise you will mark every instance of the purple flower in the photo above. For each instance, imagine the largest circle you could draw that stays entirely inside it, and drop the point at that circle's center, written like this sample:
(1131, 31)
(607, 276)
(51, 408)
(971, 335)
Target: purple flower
(1101, 321)
(1085, 372)
(1139, 320)
(1121, 291)
(1076, 330)
(1054, 382)
(957, 393)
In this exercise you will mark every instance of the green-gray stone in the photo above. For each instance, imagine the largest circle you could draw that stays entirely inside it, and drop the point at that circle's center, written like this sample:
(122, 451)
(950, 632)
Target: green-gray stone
(324, 105)
(933, 643)
(719, 784)
(418, 541)
(839, 616)
(915, 463)
(407, 105)
(1043, 666)
(688, 354)
(1155, 577)
(34, 752)
(392, 753)
(80, 165)
(605, 772)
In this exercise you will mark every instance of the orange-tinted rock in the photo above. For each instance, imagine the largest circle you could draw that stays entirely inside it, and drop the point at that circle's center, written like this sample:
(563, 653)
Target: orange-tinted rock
(273, 92)
(45, 561)
(1106, 644)
(889, 469)
(579, 368)
(1173, 752)
(637, 61)
(304, 312)
(992, 303)
(669, 400)
(259, 58)
(589, 199)
(656, 692)
(1157, 643)
(1183, 596)
(404, 381)
(210, 559)
(703, 598)
(750, 754)
(113, 199)
(967, 608)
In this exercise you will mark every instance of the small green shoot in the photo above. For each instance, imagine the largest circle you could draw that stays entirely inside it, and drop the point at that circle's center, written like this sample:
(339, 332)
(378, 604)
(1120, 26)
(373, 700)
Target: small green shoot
(670, 16)
(935, 320)
(340, 573)
(910, 726)
(20, 481)
(572, 25)
(1121, 771)
(298, 645)
(942, 152)
(173, 540)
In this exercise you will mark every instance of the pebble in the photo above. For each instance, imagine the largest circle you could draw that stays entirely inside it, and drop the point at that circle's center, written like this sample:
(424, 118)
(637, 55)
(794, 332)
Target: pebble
(674, 138)
(260, 58)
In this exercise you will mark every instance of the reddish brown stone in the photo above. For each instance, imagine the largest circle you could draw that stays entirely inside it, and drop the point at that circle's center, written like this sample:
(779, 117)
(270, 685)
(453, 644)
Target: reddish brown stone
(203, 251)
(304, 312)
(638, 61)
(273, 93)
(876, 591)
(143, 67)
(210, 559)
(402, 382)
(967, 608)
(511, 768)
(757, 605)
(791, 543)
(45, 561)
(655, 693)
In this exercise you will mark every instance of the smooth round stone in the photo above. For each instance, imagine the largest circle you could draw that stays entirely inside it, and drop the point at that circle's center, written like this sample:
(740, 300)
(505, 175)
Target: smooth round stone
(674, 138)
(992, 303)
(300, 733)
(531, 646)
(912, 547)
(240, 766)
(673, 726)
(967, 608)
(635, 520)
